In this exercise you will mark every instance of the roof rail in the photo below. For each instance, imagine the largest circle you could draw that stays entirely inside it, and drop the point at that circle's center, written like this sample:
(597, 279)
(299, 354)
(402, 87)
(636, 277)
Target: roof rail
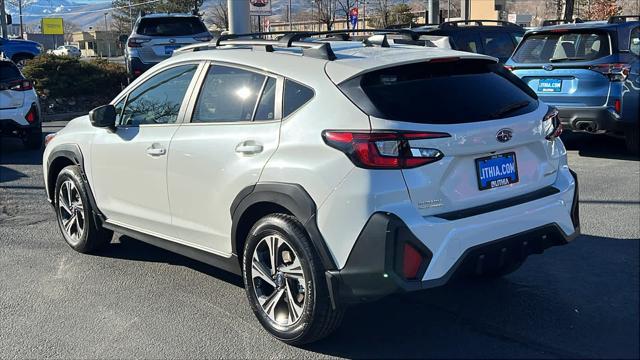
(294, 39)
(551, 22)
(622, 18)
(478, 23)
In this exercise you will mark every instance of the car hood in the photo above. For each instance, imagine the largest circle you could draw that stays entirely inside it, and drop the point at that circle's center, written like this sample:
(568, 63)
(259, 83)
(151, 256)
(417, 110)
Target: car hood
(22, 42)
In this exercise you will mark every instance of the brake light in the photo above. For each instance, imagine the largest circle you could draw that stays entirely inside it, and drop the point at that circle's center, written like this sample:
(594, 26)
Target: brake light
(411, 262)
(203, 38)
(32, 115)
(384, 150)
(551, 124)
(20, 85)
(444, 60)
(136, 42)
(615, 72)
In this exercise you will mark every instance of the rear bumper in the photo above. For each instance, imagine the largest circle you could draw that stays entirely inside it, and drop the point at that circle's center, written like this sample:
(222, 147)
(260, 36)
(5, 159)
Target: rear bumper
(374, 267)
(136, 67)
(13, 122)
(592, 119)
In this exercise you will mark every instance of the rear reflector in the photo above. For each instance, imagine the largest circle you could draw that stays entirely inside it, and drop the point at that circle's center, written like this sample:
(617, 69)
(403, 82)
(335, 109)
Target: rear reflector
(384, 150)
(618, 106)
(551, 124)
(411, 262)
(32, 115)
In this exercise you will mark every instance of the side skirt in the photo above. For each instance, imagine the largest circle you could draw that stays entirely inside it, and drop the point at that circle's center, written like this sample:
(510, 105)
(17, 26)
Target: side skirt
(229, 264)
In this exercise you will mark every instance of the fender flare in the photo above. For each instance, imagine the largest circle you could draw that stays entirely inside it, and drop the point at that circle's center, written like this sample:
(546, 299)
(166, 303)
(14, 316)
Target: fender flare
(292, 197)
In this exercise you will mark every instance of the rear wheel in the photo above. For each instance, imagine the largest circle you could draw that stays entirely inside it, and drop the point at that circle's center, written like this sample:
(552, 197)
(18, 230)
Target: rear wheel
(284, 282)
(75, 215)
(631, 138)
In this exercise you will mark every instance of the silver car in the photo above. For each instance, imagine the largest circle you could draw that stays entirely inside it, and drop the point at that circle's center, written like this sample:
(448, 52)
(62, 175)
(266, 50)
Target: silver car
(156, 36)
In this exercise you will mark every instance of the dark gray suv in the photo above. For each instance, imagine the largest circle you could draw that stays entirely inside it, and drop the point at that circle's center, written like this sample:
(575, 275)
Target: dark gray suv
(156, 36)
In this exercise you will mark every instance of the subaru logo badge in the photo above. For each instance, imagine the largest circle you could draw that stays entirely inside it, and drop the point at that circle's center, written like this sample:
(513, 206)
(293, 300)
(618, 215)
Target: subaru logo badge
(548, 67)
(504, 135)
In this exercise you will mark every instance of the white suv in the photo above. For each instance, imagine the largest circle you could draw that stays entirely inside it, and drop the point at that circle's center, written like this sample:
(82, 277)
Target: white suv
(324, 173)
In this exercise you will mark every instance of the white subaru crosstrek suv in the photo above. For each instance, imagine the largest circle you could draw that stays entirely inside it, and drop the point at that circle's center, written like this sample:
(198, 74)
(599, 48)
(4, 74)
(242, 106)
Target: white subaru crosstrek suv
(20, 114)
(325, 173)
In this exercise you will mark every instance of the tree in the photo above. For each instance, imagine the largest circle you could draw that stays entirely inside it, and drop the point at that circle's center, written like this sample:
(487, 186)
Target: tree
(124, 16)
(69, 29)
(345, 9)
(380, 13)
(401, 14)
(603, 9)
(326, 12)
(219, 14)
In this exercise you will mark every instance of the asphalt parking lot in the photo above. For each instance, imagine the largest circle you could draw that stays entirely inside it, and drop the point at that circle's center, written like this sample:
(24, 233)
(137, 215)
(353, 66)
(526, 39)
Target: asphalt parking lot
(134, 300)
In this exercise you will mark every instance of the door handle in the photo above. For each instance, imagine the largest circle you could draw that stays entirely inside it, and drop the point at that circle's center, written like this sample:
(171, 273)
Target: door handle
(249, 147)
(156, 150)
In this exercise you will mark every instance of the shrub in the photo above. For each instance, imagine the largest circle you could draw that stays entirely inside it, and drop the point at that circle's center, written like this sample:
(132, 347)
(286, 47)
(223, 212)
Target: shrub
(59, 77)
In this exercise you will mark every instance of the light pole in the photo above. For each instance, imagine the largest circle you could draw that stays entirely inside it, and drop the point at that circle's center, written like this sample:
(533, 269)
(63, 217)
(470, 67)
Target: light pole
(20, 12)
(107, 37)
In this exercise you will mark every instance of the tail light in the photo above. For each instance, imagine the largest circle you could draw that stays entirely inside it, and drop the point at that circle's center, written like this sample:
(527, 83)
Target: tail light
(20, 85)
(615, 72)
(618, 106)
(384, 150)
(136, 42)
(411, 262)
(32, 115)
(203, 38)
(551, 124)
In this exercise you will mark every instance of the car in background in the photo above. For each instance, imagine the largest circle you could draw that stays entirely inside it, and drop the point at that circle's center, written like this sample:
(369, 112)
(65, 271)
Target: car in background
(19, 51)
(156, 36)
(490, 37)
(67, 50)
(588, 71)
(19, 106)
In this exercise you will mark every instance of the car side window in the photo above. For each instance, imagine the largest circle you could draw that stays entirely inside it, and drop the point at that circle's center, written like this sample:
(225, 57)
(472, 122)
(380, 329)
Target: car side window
(498, 45)
(266, 106)
(229, 95)
(158, 99)
(634, 41)
(295, 95)
(119, 106)
(468, 42)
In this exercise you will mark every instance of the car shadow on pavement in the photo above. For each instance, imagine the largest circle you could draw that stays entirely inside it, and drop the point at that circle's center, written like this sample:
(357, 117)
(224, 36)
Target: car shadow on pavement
(128, 248)
(13, 152)
(554, 306)
(597, 146)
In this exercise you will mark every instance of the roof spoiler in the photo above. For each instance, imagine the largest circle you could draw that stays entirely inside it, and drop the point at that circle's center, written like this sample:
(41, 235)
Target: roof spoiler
(562, 21)
(478, 23)
(622, 19)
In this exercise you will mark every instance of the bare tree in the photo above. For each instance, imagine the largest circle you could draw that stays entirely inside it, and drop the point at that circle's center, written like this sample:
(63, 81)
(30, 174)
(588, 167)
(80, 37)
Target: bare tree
(326, 12)
(219, 14)
(603, 9)
(69, 29)
(345, 9)
(381, 11)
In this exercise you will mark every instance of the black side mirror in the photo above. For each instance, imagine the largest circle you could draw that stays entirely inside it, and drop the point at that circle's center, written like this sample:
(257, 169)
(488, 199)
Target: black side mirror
(123, 38)
(103, 117)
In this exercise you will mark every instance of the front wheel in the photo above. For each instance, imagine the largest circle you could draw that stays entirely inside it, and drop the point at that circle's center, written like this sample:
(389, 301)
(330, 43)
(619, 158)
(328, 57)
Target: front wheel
(75, 215)
(284, 282)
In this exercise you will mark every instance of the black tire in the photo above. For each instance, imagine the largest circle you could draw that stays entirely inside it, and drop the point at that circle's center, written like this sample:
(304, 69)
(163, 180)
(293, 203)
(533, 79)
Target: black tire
(631, 138)
(20, 60)
(33, 139)
(318, 319)
(93, 236)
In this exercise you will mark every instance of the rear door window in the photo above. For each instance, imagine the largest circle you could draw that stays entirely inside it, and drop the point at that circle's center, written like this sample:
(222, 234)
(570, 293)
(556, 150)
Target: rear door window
(171, 26)
(634, 43)
(563, 47)
(467, 41)
(442, 93)
(295, 95)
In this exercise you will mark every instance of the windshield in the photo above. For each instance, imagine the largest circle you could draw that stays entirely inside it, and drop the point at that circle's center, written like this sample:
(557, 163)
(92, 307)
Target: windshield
(562, 47)
(442, 93)
(171, 26)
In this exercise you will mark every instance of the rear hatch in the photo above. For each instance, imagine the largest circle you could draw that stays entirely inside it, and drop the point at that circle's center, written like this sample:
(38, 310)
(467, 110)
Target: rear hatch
(10, 80)
(564, 66)
(166, 34)
(481, 126)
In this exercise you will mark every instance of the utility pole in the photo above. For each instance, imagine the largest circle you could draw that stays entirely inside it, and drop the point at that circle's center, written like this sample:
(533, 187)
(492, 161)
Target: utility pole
(3, 20)
(289, 16)
(130, 16)
(238, 17)
(20, 14)
(107, 35)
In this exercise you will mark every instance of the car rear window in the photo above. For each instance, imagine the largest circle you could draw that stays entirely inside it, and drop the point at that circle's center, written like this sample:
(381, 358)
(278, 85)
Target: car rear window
(171, 26)
(563, 47)
(441, 93)
(8, 72)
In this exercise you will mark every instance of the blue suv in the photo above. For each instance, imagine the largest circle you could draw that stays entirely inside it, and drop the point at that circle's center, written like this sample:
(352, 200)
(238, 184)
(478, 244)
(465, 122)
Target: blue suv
(19, 51)
(589, 71)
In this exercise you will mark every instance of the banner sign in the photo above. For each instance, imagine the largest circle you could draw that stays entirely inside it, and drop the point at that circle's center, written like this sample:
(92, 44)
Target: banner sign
(260, 7)
(353, 17)
(52, 26)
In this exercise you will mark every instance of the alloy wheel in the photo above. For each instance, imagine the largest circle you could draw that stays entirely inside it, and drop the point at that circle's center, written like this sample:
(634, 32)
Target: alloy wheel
(71, 211)
(278, 280)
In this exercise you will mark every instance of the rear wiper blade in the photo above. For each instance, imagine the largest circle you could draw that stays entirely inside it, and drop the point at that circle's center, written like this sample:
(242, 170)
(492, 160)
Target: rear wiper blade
(566, 59)
(509, 109)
